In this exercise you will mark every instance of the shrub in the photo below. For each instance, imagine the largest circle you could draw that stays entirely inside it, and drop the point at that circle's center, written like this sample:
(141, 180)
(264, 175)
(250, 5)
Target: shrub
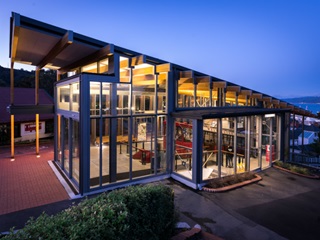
(293, 168)
(230, 180)
(139, 212)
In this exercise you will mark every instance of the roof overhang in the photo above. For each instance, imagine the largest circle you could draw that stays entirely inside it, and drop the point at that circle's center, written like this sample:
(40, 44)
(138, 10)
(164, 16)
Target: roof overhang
(42, 45)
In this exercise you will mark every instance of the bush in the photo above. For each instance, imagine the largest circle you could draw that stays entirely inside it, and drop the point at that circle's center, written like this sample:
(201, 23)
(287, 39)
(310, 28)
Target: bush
(139, 212)
(293, 168)
(230, 180)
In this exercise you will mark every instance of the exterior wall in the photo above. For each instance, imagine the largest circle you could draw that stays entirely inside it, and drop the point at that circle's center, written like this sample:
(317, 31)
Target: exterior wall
(122, 123)
(128, 136)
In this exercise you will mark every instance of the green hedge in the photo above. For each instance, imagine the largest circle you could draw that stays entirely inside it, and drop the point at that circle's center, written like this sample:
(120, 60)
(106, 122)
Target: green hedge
(137, 212)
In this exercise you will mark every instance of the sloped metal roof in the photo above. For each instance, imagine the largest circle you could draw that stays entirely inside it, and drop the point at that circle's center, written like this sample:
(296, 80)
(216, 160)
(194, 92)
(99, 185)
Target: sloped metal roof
(25, 96)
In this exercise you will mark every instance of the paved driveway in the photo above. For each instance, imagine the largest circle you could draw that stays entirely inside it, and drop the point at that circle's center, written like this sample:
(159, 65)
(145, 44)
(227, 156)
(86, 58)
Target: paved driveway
(282, 202)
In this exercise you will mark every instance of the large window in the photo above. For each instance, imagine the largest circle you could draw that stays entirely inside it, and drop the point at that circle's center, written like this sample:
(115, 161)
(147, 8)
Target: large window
(183, 148)
(68, 96)
(143, 89)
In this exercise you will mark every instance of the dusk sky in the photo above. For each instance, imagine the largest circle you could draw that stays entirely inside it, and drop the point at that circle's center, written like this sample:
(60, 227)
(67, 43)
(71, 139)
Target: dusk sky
(269, 46)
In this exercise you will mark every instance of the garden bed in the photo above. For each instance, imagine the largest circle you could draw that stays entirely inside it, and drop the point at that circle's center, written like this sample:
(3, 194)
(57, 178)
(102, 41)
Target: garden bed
(231, 182)
(294, 169)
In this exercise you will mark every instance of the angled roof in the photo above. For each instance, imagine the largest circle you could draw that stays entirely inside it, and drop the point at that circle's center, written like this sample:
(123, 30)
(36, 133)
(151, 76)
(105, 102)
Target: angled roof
(65, 50)
(25, 96)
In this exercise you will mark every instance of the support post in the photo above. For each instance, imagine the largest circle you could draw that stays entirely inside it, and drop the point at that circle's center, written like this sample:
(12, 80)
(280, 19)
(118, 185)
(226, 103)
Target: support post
(12, 102)
(37, 103)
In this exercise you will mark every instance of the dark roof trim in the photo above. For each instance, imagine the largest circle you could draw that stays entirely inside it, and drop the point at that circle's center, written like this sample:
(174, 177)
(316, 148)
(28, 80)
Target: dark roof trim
(220, 112)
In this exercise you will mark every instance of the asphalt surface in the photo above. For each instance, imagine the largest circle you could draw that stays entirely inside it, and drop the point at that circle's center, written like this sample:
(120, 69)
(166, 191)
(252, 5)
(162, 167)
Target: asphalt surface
(282, 202)
(280, 206)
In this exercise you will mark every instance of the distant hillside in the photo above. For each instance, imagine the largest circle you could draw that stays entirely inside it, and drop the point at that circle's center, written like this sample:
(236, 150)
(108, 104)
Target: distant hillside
(303, 100)
(26, 79)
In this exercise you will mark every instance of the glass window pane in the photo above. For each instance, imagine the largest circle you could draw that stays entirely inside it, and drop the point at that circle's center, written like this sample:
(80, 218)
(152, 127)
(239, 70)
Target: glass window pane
(95, 105)
(96, 144)
(75, 97)
(75, 151)
(143, 89)
(183, 149)
(162, 92)
(124, 70)
(66, 144)
(105, 99)
(90, 68)
(123, 95)
(63, 97)
(103, 66)
(210, 154)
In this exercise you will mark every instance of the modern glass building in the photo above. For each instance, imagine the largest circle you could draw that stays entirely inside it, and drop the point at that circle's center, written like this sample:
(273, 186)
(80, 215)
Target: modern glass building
(122, 117)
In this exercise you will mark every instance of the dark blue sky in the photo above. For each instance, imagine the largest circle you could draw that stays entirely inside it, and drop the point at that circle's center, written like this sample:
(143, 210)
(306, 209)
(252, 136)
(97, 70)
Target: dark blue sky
(270, 46)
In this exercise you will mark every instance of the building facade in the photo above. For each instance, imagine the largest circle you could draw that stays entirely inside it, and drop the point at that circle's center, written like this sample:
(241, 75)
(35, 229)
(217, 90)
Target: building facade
(122, 117)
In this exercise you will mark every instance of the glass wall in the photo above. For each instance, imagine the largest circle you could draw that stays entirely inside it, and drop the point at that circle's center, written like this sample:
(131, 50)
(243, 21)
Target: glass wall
(127, 136)
(242, 136)
(66, 155)
(63, 96)
(254, 144)
(75, 151)
(267, 133)
(183, 148)
(143, 89)
(60, 131)
(210, 149)
(160, 161)
(203, 92)
(67, 150)
(68, 96)
(162, 92)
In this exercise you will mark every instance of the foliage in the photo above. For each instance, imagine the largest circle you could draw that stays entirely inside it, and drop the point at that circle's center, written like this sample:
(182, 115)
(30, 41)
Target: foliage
(26, 79)
(315, 146)
(230, 180)
(140, 212)
(4, 134)
(293, 168)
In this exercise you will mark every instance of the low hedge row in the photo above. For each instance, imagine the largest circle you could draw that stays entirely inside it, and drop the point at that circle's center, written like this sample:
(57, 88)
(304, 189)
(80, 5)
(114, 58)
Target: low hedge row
(136, 212)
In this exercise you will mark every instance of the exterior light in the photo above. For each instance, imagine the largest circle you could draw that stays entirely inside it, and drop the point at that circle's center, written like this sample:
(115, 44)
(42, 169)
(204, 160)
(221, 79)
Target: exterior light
(269, 115)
